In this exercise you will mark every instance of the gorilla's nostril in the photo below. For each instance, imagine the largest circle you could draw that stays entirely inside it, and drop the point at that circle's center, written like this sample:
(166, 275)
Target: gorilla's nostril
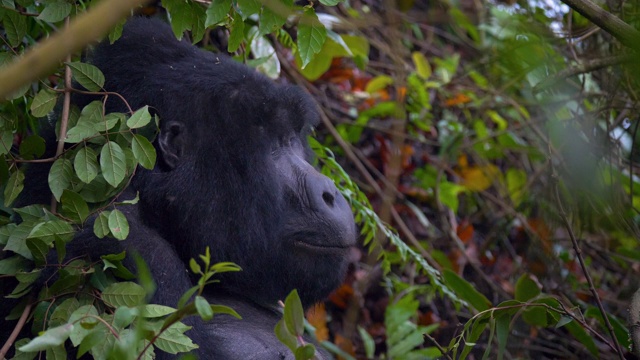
(328, 199)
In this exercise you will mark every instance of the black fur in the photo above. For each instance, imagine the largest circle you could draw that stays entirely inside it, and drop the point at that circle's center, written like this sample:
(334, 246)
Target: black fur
(232, 174)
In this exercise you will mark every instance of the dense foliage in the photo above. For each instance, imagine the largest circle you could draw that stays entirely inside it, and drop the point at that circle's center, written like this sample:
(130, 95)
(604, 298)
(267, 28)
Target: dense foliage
(497, 138)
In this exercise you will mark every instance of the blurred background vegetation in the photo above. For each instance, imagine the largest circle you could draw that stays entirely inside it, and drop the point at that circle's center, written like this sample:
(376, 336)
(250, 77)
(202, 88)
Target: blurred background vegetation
(498, 139)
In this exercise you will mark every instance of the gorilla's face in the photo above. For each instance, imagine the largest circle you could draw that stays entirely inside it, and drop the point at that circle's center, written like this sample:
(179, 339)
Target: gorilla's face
(241, 183)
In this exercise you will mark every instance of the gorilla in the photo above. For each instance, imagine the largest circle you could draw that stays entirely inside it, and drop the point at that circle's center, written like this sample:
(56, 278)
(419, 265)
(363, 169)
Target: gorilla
(233, 173)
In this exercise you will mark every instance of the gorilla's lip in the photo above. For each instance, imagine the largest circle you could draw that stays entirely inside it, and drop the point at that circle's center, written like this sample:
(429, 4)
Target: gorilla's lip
(321, 247)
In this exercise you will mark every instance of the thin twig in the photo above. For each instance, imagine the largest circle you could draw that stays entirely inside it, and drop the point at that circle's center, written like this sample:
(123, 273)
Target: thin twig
(576, 247)
(16, 330)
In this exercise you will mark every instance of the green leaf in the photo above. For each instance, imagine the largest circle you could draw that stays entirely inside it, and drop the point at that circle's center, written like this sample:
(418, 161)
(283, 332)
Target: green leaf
(12, 265)
(31, 147)
(378, 83)
(15, 27)
(14, 187)
(116, 32)
(271, 21)
(143, 151)
(221, 309)
(154, 311)
(294, 314)
(60, 176)
(330, 2)
(86, 164)
(113, 163)
(465, 290)
(50, 338)
(285, 336)
(6, 141)
(236, 35)
(204, 309)
(422, 65)
(89, 341)
(516, 182)
(49, 230)
(118, 225)
(124, 294)
(44, 102)
(55, 11)
(247, 8)
(526, 288)
(216, 12)
(74, 206)
(87, 75)
(101, 225)
(140, 118)
(502, 331)
(62, 313)
(368, 342)
(311, 36)
(85, 316)
(174, 341)
(305, 352)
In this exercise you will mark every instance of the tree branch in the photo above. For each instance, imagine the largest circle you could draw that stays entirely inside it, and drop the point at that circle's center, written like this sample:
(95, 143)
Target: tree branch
(46, 56)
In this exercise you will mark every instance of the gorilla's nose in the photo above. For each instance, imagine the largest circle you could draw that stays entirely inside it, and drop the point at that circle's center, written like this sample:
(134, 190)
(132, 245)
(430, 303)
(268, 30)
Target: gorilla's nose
(332, 207)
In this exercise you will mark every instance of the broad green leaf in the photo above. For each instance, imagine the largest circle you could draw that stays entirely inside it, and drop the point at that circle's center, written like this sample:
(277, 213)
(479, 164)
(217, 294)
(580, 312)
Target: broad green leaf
(184, 16)
(62, 312)
(174, 341)
(13, 264)
(154, 311)
(203, 307)
(81, 131)
(118, 225)
(86, 164)
(294, 314)
(55, 11)
(271, 21)
(305, 352)
(89, 341)
(217, 11)
(85, 318)
(44, 102)
(49, 230)
(14, 187)
(285, 336)
(39, 250)
(236, 35)
(9, 4)
(465, 290)
(140, 118)
(113, 163)
(15, 27)
(31, 147)
(516, 182)
(87, 75)
(526, 288)
(50, 338)
(6, 141)
(74, 206)
(422, 65)
(378, 83)
(60, 176)
(311, 36)
(330, 2)
(101, 225)
(123, 294)
(143, 151)
(247, 8)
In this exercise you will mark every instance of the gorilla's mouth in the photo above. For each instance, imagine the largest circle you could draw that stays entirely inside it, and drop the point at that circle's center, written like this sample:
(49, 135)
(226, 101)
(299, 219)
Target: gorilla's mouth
(321, 248)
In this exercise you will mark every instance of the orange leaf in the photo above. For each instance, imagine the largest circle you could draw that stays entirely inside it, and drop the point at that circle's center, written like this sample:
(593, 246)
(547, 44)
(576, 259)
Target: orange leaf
(457, 100)
(479, 178)
(465, 231)
(345, 344)
(317, 316)
(341, 296)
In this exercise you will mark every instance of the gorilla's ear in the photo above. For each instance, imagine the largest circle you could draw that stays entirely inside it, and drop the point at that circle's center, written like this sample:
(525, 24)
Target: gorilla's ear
(171, 142)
